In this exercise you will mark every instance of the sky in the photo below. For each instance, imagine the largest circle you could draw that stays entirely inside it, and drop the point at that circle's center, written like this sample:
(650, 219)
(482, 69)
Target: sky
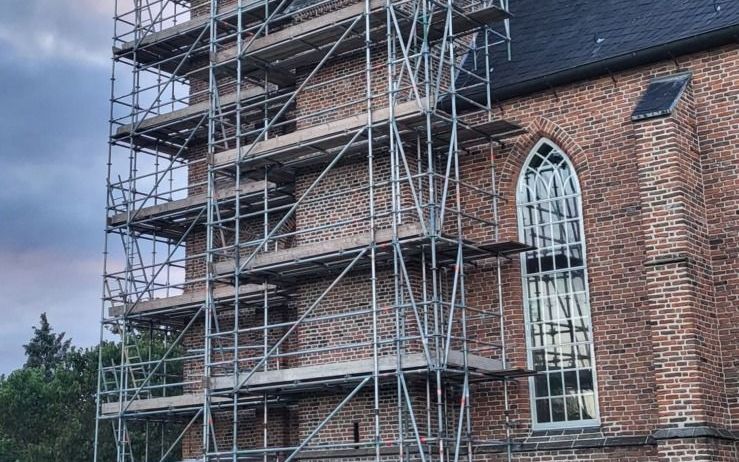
(54, 91)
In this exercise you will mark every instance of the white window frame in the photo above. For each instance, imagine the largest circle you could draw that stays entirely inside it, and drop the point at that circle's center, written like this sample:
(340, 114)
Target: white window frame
(529, 357)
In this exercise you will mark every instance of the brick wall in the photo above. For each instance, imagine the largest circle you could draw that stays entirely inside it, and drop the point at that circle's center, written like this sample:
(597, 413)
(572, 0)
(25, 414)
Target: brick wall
(659, 201)
(655, 188)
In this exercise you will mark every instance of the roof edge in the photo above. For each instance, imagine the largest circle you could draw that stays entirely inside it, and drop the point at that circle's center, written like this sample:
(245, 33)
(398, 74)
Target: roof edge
(669, 50)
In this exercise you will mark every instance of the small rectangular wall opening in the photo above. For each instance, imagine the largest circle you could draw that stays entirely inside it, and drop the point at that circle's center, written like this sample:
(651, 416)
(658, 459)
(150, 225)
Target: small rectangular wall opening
(356, 434)
(661, 96)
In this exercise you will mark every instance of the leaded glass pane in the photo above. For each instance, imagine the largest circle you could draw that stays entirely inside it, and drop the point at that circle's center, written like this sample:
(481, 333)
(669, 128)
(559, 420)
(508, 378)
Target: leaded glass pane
(569, 358)
(578, 280)
(586, 380)
(573, 231)
(583, 356)
(571, 382)
(558, 409)
(537, 334)
(588, 406)
(542, 410)
(579, 304)
(540, 385)
(539, 362)
(563, 304)
(559, 233)
(555, 384)
(573, 408)
(555, 276)
(536, 309)
(582, 332)
(553, 359)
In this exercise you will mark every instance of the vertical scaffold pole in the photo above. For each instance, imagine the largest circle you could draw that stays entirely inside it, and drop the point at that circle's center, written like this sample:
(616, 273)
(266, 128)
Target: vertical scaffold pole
(372, 225)
(210, 227)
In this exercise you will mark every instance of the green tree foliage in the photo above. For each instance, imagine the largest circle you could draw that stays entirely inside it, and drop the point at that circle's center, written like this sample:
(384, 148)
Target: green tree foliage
(46, 350)
(47, 408)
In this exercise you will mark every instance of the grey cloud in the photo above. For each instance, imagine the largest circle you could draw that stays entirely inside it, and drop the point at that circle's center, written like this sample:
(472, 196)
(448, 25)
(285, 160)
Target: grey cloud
(76, 31)
(53, 129)
(67, 288)
(53, 154)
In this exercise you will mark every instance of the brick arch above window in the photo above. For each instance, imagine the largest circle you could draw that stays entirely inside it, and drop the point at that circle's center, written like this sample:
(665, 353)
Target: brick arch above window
(541, 128)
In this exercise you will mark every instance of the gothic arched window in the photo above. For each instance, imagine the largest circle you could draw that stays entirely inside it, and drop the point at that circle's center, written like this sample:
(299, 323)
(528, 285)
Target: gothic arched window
(555, 285)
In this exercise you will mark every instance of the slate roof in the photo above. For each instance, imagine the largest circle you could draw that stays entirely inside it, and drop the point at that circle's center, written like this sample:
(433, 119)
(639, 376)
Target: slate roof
(551, 37)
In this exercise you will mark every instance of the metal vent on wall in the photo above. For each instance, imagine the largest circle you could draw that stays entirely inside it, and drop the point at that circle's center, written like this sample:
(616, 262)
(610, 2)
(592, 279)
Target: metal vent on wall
(661, 96)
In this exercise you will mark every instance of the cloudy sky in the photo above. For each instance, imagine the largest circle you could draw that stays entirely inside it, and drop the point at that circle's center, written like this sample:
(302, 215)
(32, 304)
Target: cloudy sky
(54, 89)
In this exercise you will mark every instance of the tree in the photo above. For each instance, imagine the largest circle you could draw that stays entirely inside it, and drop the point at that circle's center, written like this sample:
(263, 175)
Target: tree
(47, 408)
(48, 416)
(46, 350)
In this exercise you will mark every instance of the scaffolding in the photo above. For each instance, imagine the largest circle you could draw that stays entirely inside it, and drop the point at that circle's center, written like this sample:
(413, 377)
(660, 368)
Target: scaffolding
(289, 229)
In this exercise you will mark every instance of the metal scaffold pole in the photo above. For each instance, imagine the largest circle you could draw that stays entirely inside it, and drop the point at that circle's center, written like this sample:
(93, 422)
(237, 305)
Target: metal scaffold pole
(289, 246)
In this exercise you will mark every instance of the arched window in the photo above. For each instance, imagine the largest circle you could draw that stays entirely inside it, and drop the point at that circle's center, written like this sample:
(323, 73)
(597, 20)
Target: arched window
(555, 285)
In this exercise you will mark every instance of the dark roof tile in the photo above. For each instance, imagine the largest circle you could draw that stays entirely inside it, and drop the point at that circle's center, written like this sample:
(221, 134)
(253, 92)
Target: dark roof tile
(551, 36)
(554, 36)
